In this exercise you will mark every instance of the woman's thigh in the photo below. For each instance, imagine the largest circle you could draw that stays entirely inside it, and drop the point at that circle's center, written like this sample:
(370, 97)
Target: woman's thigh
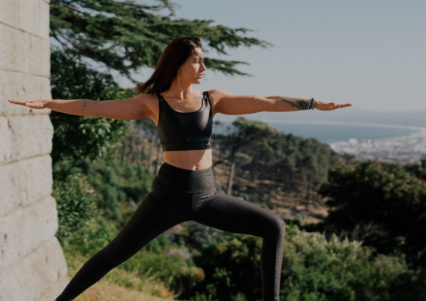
(233, 214)
(156, 214)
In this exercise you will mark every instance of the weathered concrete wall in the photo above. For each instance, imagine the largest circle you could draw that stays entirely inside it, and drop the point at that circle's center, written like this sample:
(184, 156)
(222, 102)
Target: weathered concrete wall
(32, 265)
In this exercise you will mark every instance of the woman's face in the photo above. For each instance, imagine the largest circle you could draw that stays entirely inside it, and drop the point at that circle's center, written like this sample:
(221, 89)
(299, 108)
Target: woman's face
(192, 70)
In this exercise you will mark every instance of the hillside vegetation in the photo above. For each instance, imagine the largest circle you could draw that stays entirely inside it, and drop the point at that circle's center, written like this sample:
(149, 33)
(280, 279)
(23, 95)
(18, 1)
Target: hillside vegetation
(192, 262)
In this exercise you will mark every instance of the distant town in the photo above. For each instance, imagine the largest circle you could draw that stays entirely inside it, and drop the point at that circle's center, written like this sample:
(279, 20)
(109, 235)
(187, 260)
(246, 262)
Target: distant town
(409, 149)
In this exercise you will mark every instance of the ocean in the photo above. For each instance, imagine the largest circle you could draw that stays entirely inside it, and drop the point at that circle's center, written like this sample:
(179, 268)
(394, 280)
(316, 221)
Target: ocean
(336, 132)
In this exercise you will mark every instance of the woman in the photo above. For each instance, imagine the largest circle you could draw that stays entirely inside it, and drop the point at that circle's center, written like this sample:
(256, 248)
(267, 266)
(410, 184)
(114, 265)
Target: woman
(184, 188)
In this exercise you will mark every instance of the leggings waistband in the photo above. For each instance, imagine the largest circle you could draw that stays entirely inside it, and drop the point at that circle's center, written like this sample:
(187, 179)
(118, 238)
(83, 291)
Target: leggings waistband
(190, 181)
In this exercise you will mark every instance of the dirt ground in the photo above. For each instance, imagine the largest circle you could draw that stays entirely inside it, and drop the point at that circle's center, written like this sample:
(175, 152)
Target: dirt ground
(109, 292)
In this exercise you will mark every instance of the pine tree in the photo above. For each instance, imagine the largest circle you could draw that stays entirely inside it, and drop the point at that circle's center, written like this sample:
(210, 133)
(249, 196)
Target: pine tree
(126, 35)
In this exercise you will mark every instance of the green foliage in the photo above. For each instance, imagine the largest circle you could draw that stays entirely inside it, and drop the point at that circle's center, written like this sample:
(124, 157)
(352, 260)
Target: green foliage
(314, 268)
(231, 265)
(126, 35)
(76, 138)
(197, 235)
(417, 169)
(285, 157)
(318, 269)
(171, 266)
(71, 79)
(380, 204)
(76, 204)
(96, 234)
(119, 186)
(265, 155)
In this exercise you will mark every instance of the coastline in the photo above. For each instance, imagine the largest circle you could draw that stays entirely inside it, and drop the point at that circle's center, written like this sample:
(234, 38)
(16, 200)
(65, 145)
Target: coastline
(409, 147)
(404, 148)
(364, 124)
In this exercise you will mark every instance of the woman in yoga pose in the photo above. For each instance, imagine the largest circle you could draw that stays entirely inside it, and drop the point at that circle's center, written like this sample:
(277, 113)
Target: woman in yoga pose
(184, 188)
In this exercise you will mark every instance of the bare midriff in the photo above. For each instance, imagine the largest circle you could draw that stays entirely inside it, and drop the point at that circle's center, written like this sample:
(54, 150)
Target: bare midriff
(190, 160)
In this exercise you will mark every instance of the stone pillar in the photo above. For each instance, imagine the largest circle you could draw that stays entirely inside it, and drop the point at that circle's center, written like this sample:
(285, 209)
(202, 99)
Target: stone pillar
(32, 265)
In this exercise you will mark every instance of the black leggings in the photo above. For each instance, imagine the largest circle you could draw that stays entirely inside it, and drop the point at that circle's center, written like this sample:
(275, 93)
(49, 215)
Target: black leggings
(180, 195)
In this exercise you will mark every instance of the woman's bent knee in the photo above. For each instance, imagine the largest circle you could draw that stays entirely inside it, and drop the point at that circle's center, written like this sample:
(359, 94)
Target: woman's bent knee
(280, 227)
(276, 228)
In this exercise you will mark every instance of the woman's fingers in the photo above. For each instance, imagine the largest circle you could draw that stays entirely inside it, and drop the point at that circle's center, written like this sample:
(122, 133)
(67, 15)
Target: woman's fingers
(35, 104)
(328, 106)
(342, 105)
(16, 102)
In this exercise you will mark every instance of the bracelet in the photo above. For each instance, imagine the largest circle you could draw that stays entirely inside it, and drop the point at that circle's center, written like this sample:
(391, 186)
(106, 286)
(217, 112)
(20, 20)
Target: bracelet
(311, 104)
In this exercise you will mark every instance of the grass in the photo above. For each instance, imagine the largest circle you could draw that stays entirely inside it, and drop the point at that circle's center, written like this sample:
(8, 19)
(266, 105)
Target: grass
(118, 285)
(103, 291)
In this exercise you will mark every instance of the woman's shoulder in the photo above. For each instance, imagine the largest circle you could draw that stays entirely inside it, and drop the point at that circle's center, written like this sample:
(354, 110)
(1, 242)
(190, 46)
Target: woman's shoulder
(215, 94)
(147, 101)
(147, 98)
(149, 105)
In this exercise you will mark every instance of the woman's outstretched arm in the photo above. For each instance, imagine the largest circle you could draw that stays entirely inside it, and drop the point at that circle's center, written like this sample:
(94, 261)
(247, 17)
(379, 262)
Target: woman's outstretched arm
(230, 104)
(126, 109)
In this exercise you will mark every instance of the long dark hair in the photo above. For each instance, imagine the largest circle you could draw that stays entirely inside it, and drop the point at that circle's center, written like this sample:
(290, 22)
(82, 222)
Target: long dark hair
(175, 54)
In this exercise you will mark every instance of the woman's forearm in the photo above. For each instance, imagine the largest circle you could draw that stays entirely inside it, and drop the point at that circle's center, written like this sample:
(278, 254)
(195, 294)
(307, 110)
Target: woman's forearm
(230, 104)
(79, 107)
(283, 103)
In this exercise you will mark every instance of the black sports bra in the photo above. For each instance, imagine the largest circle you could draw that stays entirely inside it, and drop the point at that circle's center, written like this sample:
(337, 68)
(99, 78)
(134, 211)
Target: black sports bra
(185, 130)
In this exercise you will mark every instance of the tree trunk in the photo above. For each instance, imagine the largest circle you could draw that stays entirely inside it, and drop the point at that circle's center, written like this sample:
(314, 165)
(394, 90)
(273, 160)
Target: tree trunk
(231, 178)
(157, 164)
(151, 153)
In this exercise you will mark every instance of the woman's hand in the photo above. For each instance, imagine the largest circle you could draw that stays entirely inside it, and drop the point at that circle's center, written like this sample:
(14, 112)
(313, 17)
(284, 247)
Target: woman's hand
(34, 104)
(329, 106)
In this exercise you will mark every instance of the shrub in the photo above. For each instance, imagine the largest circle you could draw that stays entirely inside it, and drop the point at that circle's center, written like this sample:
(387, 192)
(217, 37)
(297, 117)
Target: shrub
(76, 204)
(314, 268)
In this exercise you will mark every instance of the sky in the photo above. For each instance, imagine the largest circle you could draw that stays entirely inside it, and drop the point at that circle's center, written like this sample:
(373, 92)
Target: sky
(371, 53)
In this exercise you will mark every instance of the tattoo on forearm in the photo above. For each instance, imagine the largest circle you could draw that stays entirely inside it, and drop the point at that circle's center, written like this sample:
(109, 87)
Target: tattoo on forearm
(84, 105)
(297, 104)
